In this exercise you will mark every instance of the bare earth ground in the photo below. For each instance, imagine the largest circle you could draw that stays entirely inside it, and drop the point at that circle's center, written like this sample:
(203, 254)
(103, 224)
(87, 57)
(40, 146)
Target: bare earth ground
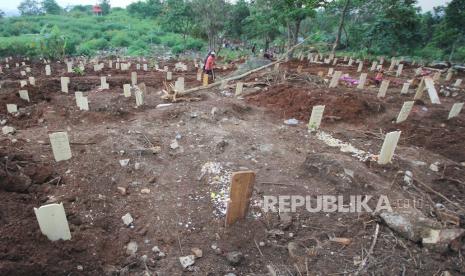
(217, 135)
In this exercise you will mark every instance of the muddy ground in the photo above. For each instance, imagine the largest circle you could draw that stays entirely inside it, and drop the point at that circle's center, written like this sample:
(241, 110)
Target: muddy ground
(176, 194)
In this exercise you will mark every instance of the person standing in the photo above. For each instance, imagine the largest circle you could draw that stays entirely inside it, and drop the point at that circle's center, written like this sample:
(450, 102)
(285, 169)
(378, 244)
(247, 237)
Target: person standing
(210, 64)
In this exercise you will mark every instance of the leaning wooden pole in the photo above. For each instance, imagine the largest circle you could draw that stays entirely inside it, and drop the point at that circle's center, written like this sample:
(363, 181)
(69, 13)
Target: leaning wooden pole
(191, 90)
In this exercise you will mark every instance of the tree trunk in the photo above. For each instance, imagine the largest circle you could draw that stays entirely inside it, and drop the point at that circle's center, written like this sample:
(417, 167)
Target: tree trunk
(293, 36)
(341, 25)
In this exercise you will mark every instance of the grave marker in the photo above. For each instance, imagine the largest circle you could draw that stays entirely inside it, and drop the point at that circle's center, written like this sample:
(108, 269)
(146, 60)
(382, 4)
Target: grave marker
(179, 84)
(69, 66)
(433, 94)
(127, 90)
(383, 88)
(22, 83)
(78, 95)
(458, 82)
(110, 63)
(351, 61)
(134, 78)
(11, 108)
(64, 84)
(335, 79)
(205, 79)
(83, 103)
(455, 110)
(103, 83)
(117, 65)
(320, 74)
(399, 70)
(449, 75)
(405, 111)
(393, 64)
(405, 88)
(145, 67)
(223, 84)
(335, 61)
(139, 97)
(360, 67)
(60, 146)
(32, 81)
(52, 221)
(169, 76)
(199, 75)
(22, 73)
(239, 196)
(138, 66)
(299, 69)
(330, 72)
(388, 148)
(373, 65)
(437, 76)
(315, 118)
(24, 95)
(363, 78)
(239, 88)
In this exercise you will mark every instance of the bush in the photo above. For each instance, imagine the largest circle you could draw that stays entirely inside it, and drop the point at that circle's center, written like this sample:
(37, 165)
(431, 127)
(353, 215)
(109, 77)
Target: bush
(90, 47)
(120, 39)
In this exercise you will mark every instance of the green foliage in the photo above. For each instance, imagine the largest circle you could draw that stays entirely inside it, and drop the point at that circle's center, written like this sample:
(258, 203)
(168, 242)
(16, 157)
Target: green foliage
(79, 71)
(105, 5)
(145, 9)
(29, 7)
(52, 43)
(51, 7)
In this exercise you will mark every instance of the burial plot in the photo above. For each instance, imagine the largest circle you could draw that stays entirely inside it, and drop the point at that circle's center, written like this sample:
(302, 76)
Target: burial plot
(60, 146)
(239, 196)
(52, 221)
(315, 119)
(405, 111)
(388, 148)
(455, 110)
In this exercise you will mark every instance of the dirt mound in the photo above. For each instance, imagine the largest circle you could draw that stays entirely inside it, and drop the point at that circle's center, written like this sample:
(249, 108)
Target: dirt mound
(296, 102)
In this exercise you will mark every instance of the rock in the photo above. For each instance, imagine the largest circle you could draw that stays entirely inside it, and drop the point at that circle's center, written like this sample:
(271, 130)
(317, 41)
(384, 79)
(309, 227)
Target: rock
(121, 190)
(131, 248)
(187, 261)
(408, 178)
(145, 191)
(234, 257)
(443, 240)
(127, 219)
(213, 111)
(275, 232)
(155, 249)
(174, 144)
(230, 274)
(296, 250)
(8, 130)
(137, 166)
(410, 224)
(285, 220)
(197, 252)
(261, 243)
(124, 162)
(291, 122)
(434, 167)
(80, 268)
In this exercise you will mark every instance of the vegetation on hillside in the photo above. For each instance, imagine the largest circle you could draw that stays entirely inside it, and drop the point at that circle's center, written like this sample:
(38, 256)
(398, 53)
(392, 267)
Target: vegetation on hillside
(361, 27)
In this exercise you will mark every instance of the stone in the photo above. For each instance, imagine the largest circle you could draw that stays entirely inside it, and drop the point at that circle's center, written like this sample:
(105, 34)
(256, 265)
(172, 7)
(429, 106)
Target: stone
(187, 261)
(12, 108)
(145, 191)
(8, 130)
(458, 82)
(444, 239)
(408, 178)
(127, 219)
(131, 248)
(410, 223)
(174, 144)
(124, 162)
(121, 190)
(52, 221)
(60, 146)
(234, 257)
(291, 122)
(405, 88)
(399, 70)
(64, 84)
(434, 167)
(197, 252)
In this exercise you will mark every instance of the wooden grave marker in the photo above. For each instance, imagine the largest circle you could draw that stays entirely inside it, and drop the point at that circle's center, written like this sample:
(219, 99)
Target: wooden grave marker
(127, 90)
(315, 118)
(240, 194)
(362, 80)
(383, 88)
(455, 110)
(360, 67)
(405, 88)
(64, 84)
(24, 95)
(335, 79)
(388, 148)
(11, 108)
(405, 111)
(239, 88)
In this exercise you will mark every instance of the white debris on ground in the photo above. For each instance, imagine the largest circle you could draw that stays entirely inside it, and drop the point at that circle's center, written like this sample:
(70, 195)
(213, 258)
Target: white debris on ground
(219, 179)
(343, 146)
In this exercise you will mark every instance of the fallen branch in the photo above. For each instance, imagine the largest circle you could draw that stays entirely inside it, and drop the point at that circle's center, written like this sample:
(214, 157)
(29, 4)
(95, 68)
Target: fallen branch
(195, 89)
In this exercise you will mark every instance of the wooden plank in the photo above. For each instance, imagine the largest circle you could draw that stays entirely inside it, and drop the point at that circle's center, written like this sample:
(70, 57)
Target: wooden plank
(239, 196)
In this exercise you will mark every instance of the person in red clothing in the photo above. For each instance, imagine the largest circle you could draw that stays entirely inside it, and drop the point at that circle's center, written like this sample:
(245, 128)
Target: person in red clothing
(209, 64)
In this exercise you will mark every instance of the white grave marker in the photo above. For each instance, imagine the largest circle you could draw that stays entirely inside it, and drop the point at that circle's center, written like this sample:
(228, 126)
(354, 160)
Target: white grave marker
(405, 88)
(103, 83)
(48, 71)
(169, 75)
(388, 148)
(330, 72)
(83, 103)
(52, 221)
(64, 84)
(449, 75)
(405, 111)
(315, 118)
(22, 83)
(373, 65)
(24, 95)
(60, 146)
(127, 90)
(134, 78)
(32, 81)
(78, 95)
(145, 67)
(139, 97)
(399, 70)
(455, 110)
(458, 82)
(239, 88)
(433, 94)
(335, 79)
(361, 82)
(12, 108)
(383, 88)
(69, 65)
(360, 67)
(179, 84)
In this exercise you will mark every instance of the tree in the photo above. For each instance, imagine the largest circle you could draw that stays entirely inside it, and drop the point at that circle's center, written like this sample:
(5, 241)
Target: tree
(105, 5)
(2, 14)
(29, 7)
(341, 25)
(52, 43)
(178, 17)
(235, 23)
(262, 23)
(150, 8)
(210, 15)
(51, 7)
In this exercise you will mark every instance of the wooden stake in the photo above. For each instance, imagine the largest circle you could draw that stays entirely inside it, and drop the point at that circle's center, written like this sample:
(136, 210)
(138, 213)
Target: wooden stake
(239, 196)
